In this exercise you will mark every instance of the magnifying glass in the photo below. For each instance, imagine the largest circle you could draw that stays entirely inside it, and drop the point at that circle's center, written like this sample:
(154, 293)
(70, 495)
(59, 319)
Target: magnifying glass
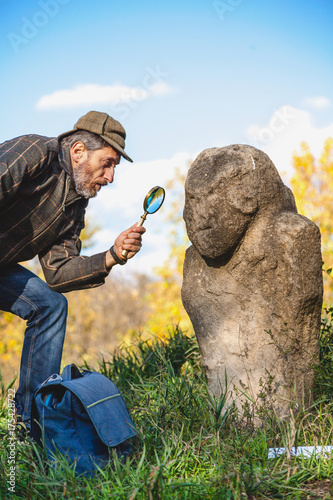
(152, 202)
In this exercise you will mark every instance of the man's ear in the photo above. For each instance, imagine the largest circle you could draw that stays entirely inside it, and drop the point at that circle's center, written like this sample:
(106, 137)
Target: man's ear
(78, 151)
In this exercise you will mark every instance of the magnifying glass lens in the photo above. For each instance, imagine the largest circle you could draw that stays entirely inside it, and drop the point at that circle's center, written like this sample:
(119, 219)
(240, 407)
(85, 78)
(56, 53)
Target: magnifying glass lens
(155, 200)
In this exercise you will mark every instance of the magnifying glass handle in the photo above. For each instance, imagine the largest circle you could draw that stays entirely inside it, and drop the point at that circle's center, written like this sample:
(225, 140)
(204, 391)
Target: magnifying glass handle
(124, 253)
(143, 218)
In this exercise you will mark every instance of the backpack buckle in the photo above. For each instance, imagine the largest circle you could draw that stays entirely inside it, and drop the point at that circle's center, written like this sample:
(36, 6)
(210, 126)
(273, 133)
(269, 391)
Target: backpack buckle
(52, 378)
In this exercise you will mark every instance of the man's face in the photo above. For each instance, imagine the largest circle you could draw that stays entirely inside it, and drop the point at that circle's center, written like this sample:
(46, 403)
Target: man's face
(94, 169)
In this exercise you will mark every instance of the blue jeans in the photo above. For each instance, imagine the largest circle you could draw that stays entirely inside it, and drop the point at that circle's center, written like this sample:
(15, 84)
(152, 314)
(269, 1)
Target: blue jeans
(24, 294)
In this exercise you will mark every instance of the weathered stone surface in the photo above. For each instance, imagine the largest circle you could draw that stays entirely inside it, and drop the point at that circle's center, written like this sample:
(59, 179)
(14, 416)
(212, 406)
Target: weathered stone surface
(252, 282)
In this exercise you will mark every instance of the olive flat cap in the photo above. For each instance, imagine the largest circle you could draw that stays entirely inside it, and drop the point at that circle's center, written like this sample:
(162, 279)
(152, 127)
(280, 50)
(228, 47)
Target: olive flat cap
(106, 127)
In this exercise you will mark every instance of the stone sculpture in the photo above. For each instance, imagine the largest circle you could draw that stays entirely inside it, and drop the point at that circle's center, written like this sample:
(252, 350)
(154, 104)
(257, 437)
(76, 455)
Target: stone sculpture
(252, 283)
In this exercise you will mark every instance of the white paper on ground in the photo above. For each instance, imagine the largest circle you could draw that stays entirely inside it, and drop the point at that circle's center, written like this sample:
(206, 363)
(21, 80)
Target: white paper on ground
(302, 451)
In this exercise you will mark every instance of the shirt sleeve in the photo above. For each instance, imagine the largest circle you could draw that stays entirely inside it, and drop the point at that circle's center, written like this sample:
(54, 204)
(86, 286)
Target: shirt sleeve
(66, 270)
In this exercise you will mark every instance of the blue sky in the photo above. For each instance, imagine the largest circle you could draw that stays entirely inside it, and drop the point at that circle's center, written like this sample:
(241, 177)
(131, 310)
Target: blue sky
(181, 76)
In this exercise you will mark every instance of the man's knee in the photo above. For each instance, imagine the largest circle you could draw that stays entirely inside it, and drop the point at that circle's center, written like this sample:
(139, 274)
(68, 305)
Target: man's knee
(57, 303)
(61, 304)
(49, 304)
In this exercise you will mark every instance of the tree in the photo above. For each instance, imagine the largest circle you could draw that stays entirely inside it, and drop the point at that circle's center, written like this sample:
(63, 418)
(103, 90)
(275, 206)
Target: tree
(165, 292)
(312, 184)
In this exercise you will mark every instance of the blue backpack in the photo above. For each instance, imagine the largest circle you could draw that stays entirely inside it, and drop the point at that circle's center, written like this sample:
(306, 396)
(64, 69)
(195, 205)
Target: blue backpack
(82, 415)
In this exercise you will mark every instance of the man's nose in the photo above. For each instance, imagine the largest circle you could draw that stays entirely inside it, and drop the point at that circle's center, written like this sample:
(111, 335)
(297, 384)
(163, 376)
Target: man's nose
(109, 174)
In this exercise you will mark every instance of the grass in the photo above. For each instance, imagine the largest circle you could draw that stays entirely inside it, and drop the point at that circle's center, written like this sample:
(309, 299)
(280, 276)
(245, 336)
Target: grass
(190, 445)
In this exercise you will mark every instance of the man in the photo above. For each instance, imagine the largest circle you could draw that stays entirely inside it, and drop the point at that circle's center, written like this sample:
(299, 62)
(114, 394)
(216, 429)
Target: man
(45, 185)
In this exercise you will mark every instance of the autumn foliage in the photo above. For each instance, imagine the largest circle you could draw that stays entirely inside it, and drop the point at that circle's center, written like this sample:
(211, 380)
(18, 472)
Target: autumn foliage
(165, 291)
(312, 185)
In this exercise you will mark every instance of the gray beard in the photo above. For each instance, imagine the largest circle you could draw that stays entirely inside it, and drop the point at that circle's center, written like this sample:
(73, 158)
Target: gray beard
(81, 182)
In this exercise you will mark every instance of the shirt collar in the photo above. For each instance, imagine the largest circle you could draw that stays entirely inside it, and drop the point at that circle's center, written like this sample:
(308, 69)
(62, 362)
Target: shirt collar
(65, 159)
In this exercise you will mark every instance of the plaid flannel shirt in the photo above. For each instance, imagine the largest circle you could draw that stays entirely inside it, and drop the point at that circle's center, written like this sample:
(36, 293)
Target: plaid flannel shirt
(40, 214)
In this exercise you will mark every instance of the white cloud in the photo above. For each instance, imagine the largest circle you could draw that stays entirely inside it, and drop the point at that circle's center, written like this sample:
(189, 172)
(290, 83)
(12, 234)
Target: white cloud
(283, 134)
(161, 88)
(319, 102)
(94, 94)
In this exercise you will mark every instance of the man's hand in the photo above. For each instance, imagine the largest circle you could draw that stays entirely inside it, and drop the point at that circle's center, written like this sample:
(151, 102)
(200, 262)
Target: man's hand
(130, 240)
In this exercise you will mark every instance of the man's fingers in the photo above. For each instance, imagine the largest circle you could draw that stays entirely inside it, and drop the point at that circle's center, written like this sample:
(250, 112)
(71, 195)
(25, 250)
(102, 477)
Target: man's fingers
(130, 240)
(137, 229)
(131, 250)
(131, 244)
(133, 236)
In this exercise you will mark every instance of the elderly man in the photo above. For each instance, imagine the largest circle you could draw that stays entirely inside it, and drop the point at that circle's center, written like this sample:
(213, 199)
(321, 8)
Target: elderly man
(45, 187)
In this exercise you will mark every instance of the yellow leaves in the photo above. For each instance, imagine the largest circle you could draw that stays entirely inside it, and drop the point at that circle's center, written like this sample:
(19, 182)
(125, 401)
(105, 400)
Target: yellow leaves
(312, 185)
(165, 292)
(327, 154)
(11, 344)
(12, 334)
(88, 233)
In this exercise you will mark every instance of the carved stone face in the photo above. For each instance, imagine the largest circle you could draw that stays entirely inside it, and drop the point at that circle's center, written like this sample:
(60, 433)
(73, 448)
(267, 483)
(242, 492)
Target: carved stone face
(220, 201)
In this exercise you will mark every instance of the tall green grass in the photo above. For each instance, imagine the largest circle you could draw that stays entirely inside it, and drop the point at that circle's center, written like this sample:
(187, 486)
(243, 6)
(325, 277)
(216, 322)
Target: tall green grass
(190, 445)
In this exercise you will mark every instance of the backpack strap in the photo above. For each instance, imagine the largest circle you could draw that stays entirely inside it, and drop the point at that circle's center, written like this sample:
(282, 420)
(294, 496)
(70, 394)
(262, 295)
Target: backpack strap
(105, 407)
(71, 372)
